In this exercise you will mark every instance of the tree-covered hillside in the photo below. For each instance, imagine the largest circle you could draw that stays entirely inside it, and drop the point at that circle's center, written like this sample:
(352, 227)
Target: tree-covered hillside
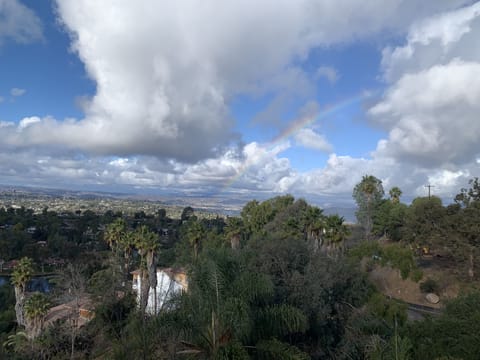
(281, 281)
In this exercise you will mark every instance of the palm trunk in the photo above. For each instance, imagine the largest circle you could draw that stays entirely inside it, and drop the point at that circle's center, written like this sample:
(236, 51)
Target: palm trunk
(126, 257)
(195, 250)
(471, 272)
(72, 340)
(235, 242)
(152, 276)
(144, 289)
(19, 303)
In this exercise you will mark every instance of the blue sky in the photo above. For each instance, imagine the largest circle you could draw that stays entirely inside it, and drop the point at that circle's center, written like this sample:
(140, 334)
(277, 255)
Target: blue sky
(161, 97)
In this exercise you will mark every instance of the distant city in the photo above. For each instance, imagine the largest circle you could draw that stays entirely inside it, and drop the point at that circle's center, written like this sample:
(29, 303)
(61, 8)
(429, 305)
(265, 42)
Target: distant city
(61, 200)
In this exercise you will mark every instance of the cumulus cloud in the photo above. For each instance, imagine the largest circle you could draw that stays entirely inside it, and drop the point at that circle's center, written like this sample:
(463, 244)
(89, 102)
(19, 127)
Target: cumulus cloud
(26, 122)
(17, 92)
(313, 140)
(255, 167)
(18, 23)
(431, 106)
(327, 72)
(436, 40)
(165, 72)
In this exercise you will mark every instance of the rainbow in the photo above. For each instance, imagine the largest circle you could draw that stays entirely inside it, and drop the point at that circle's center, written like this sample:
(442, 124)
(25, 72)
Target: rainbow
(296, 126)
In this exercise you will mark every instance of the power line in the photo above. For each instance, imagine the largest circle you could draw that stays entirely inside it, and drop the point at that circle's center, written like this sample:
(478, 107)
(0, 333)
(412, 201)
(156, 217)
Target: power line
(429, 187)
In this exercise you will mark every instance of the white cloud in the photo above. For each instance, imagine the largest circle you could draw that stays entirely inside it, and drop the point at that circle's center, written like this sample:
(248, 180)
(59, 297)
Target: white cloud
(327, 72)
(17, 92)
(18, 22)
(26, 122)
(434, 41)
(165, 72)
(254, 170)
(312, 140)
(431, 107)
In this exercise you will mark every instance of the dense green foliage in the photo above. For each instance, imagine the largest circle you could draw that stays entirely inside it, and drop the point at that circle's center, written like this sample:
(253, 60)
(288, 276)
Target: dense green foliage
(282, 281)
(453, 335)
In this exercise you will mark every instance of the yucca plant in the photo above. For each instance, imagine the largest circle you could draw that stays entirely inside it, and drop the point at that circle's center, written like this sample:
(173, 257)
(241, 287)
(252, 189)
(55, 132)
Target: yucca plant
(36, 308)
(231, 314)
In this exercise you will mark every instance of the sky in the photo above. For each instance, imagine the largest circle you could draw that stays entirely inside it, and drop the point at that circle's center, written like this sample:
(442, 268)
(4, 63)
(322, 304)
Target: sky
(240, 98)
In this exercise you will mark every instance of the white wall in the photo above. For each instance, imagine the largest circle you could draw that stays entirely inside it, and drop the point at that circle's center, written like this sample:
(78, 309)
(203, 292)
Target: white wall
(166, 287)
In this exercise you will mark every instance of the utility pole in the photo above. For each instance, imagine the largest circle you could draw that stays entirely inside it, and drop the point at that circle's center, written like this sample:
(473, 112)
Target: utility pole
(429, 187)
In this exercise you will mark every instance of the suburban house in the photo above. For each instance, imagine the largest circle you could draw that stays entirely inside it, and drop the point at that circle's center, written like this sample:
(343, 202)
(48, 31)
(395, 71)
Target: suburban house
(80, 312)
(170, 281)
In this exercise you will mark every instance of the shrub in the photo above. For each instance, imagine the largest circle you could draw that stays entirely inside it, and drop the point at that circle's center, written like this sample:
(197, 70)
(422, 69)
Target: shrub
(429, 286)
(417, 275)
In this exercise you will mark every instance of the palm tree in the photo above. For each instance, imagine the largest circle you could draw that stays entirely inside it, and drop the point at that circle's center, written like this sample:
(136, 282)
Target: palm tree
(147, 245)
(314, 226)
(120, 240)
(233, 232)
(336, 233)
(114, 233)
(126, 243)
(20, 276)
(36, 308)
(195, 234)
(395, 194)
(367, 194)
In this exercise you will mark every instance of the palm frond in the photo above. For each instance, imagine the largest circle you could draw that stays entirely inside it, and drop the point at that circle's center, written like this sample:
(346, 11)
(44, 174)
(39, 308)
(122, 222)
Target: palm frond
(276, 350)
(280, 320)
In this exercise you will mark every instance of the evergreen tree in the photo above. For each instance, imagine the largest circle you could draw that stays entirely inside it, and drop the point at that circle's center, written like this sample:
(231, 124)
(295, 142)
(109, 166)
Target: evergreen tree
(368, 193)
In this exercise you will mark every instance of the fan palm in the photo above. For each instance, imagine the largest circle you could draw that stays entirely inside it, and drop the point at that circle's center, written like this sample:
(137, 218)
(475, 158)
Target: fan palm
(195, 234)
(36, 308)
(336, 233)
(147, 245)
(314, 224)
(233, 232)
(114, 233)
(20, 276)
(395, 194)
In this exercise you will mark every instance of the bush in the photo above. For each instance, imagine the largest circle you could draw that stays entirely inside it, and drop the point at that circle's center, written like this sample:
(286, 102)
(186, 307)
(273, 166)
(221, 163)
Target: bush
(417, 275)
(429, 286)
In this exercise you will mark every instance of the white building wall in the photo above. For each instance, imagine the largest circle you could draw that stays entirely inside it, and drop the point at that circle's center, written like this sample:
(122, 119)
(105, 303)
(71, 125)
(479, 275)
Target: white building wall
(166, 288)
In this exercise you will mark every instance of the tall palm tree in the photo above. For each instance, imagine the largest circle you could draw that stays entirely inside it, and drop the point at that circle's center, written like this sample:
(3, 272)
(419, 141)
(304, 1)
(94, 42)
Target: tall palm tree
(367, 194)
(126, 244)
(20, 276)
(336, 233)
(314, 224)
(195, 234)
(395, 194)
(233, 232)
(114, 233)
(147, 245)
(36, 308)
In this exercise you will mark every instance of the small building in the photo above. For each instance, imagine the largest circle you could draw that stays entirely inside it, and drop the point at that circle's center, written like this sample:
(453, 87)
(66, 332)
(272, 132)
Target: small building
(170, 281)
(31, 229)
(10, 265)
(80, 312)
